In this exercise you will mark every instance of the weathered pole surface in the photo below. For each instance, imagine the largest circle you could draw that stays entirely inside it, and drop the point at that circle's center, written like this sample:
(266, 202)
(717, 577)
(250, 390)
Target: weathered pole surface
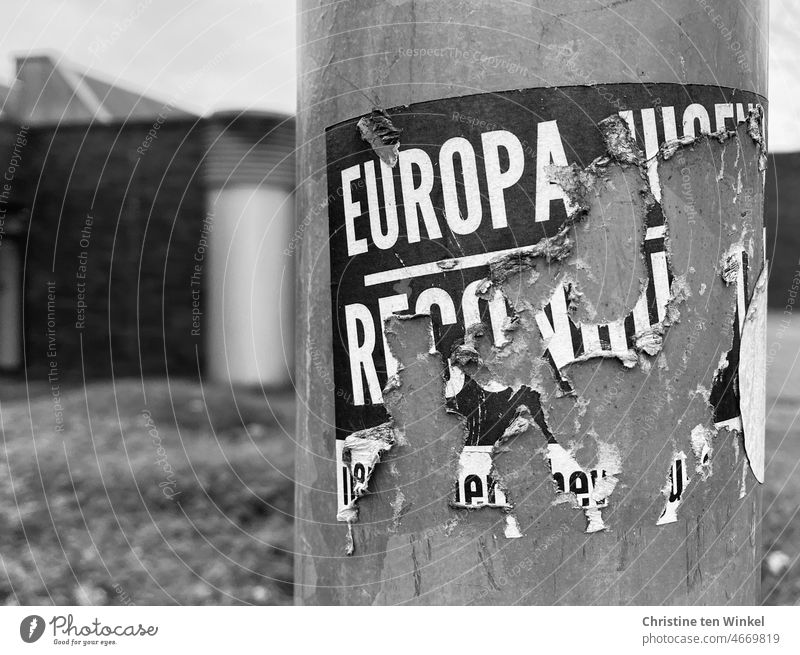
(576, 418)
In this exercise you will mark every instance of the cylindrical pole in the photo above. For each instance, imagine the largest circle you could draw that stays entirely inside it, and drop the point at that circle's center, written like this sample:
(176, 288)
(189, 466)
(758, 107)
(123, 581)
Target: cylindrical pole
(571, 411)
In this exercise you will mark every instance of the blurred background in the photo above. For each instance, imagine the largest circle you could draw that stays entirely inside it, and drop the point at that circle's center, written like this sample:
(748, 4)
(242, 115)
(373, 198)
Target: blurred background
(147, 241)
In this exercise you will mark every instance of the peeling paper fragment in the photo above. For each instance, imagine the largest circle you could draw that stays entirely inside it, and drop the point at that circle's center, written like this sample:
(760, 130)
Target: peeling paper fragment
(649, 341)
(575, 184)
(399, 507)
(731, 265)
(725, 393)
(702, 439)
(677, 481)
(623, 339)
(378, 130)
(669, 148)
(520, 424)
(586, 490)
(478, 484)
(551, 249)
(641, 331)
(349, 542)
(752, 376)
(392, 384)
(755, 128)
(512, 530)
(361, 453)
(620, 143)
(743, 483)
(466, 355)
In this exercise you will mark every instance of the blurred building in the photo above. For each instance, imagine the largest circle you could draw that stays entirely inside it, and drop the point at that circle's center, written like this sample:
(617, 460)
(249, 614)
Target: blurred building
(249, 177)
(137, 238)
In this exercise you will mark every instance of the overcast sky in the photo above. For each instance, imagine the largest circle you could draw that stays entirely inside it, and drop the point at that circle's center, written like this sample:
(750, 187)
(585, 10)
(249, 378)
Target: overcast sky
(241, 53)
(243, 50)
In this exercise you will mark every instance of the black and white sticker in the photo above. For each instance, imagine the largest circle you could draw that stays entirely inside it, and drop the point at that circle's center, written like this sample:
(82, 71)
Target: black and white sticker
(468, 186)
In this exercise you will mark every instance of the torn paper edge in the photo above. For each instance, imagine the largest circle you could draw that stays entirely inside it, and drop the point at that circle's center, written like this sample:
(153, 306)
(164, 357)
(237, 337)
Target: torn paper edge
(477, 463)
(752, 376)
(360, 454)
(677, 481)
(596, 485)
(702, 439)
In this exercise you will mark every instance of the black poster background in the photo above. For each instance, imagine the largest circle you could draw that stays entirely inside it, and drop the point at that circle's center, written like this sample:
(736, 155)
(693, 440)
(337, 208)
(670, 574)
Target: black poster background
(428, 125)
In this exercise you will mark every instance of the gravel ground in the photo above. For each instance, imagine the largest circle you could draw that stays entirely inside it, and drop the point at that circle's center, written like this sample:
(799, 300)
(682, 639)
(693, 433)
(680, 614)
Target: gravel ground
(97, 514)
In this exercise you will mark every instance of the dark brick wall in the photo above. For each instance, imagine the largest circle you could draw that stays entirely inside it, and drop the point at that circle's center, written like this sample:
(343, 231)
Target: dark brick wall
(146, 209)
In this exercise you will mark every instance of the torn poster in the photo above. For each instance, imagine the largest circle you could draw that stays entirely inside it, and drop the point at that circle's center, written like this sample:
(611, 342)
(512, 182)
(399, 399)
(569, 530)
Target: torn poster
(422, 209)
(677, 481)
(725, 388)
(568, 342)
(360, 453)
(585, 489)
(738, 394)
(476, 486)
(752, 376)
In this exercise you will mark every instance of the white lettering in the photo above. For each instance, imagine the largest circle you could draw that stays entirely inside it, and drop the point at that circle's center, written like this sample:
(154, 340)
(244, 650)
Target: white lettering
(670, 127)
(497, 311)
(549, 150)
(352, 210)
(361, 355)
(723, 110)
(447, 310)
(414, 197)
(452, 212)
(496, 180)
(386, 308)
(695, 112)
(383, 241)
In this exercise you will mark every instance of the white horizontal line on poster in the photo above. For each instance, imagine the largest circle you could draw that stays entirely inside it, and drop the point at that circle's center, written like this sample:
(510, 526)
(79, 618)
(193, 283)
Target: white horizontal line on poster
(441, 266)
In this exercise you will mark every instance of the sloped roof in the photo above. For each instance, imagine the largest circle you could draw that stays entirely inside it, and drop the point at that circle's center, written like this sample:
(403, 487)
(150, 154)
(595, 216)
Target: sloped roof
(121, 103)
(49, 90)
